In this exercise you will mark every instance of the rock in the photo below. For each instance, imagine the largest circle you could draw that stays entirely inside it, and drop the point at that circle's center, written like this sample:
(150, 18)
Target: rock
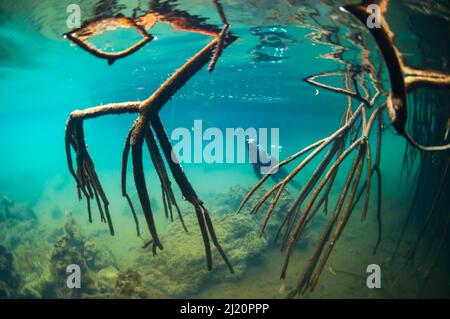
(28, 242)
(106, 280)
(31, 291)
(180, 269)
(64, 254)
(12, 211)
(130, 285)
(9, 280)
(75, 248)
(96, 257)
(229, 203)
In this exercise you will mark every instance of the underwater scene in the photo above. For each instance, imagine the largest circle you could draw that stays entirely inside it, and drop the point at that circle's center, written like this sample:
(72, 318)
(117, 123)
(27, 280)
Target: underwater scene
(252, 149)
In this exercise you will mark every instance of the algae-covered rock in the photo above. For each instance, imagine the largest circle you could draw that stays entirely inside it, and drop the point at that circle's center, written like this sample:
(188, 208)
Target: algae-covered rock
(180, 269)
(106, 280)
(112, 283)
(9, 210)
(95, 255)
(75, 248)
(229, 202)
(27, 241)
(129, 285)
(18, 225)
(9, 280)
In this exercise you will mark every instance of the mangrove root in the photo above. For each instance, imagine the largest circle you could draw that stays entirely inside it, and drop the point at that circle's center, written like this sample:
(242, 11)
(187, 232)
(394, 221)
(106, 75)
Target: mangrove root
(147, 128)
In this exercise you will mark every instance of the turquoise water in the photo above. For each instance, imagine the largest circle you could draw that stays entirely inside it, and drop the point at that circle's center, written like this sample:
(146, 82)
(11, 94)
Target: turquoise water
(258, 82)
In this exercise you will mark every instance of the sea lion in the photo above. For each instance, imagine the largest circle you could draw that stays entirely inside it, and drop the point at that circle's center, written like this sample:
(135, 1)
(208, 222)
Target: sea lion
(263, 162)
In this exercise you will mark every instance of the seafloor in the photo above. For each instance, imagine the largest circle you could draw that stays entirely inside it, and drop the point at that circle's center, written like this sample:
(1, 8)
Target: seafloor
(35, 252)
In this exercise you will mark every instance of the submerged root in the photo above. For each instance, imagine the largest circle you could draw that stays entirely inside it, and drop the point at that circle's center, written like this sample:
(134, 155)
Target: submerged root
(352, 136)
(125, 154)
(146, 126)
(85, 175)
(169, 200)
(188, 192)
(403, 78)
